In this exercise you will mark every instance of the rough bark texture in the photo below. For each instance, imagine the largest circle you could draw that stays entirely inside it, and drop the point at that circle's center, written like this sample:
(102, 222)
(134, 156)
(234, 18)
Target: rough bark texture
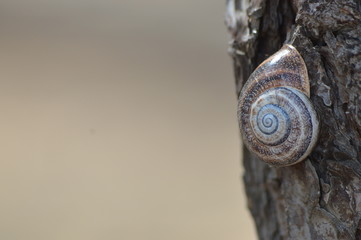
(319, 198)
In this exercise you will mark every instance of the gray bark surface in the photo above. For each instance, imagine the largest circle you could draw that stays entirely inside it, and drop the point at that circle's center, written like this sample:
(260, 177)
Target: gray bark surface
(319, 198)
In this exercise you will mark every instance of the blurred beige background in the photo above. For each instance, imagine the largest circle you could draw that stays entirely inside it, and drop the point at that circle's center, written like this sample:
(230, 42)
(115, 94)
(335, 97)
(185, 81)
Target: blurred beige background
(118, 122)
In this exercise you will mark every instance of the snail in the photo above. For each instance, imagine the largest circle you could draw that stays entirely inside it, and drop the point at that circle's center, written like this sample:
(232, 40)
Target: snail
(277, 119)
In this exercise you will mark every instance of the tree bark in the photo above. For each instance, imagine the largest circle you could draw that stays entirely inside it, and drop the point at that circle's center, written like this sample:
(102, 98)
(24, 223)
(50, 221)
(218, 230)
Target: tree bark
(319, 198)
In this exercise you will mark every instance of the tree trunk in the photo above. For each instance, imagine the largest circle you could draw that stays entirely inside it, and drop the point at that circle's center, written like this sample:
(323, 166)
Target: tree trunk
(319, 198)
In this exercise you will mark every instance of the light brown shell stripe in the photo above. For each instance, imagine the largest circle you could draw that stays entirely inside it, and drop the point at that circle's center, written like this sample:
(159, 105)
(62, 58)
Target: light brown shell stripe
(275, 98)
(286, 60)
(296, 143)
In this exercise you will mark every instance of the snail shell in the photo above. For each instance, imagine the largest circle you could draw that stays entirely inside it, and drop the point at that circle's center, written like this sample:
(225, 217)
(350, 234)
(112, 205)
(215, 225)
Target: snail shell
(277, 119)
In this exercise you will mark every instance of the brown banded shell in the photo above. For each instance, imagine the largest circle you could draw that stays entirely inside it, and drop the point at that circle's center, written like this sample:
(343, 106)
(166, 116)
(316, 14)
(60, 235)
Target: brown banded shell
(277, 119)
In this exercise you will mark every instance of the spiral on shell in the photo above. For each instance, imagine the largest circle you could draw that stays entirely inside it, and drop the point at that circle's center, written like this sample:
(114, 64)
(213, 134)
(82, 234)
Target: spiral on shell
(277, 119)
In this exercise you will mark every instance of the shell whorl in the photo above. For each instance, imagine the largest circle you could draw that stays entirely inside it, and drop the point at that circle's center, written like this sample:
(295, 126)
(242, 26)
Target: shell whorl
(277, 119)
